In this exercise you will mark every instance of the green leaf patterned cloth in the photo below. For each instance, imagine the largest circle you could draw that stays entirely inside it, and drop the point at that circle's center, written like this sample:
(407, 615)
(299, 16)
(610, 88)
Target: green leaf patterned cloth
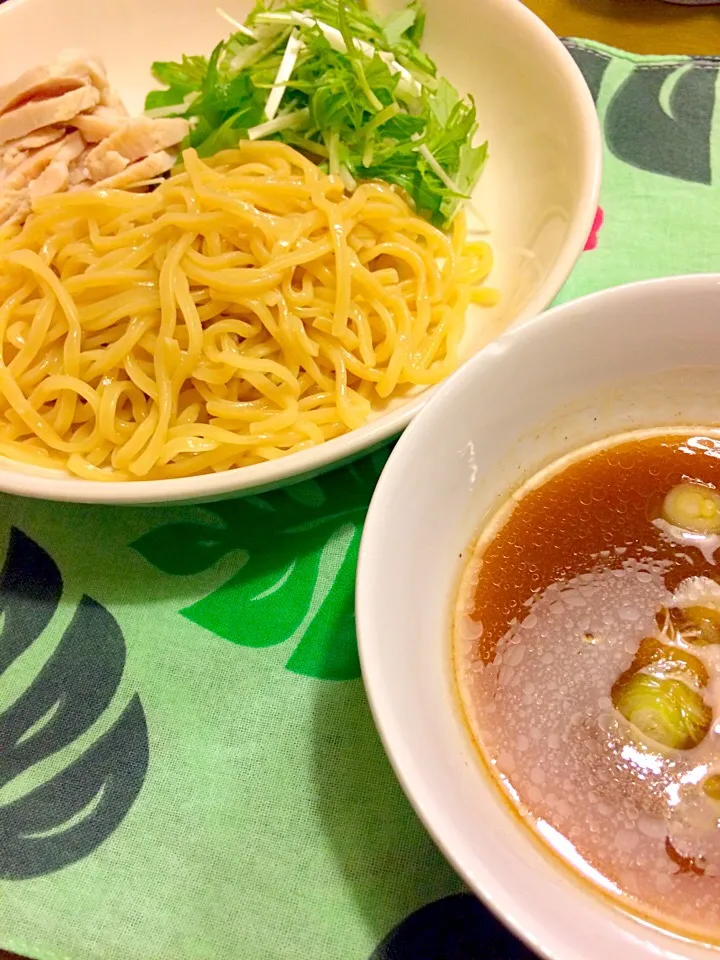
(188, 767)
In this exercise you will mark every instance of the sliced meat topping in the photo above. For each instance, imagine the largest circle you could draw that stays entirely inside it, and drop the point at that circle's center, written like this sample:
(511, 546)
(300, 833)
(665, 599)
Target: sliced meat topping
(14, 205)
(137, 138)
(140, 171)
(63, 127)
(66, 151)
(42, 113)
(100, 123)
(53, 179)
(72, 69)
(38, 138)
(15, 152)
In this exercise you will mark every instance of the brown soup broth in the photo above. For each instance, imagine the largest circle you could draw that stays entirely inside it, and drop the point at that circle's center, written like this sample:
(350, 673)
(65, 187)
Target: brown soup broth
(552, 611)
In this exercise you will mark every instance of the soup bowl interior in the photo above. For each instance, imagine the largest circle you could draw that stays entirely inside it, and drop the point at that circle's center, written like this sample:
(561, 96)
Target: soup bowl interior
(633, 357)
(538, 193)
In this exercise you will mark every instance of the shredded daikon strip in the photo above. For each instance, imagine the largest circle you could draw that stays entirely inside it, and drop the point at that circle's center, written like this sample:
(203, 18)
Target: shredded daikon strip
(239, 27)
(408, 84)
(287, 65)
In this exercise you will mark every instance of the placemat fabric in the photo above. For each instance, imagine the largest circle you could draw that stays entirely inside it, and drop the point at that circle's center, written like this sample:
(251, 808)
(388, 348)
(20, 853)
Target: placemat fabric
(188, 767)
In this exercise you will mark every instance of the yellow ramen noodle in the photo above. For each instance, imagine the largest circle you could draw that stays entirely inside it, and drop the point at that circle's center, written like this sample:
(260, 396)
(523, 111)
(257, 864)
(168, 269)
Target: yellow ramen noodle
(246, 309)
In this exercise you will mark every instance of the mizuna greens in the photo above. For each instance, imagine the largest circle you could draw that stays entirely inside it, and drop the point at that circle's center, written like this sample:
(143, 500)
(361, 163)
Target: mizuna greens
(354, 92)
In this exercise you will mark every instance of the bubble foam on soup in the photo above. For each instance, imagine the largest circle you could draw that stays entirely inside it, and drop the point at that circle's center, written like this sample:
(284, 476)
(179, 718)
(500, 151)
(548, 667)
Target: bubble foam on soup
(587, 650)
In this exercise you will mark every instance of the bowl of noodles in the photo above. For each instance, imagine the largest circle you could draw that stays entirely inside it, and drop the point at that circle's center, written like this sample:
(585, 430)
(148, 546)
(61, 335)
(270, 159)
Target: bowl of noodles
(240, 247)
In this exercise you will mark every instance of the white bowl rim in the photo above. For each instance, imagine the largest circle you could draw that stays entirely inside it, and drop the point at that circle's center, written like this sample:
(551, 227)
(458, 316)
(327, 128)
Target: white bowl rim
(416, 784)
(300, 465)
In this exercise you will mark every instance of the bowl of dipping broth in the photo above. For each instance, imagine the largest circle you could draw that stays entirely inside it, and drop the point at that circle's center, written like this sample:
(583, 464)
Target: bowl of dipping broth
(538, 608)
(217, 263)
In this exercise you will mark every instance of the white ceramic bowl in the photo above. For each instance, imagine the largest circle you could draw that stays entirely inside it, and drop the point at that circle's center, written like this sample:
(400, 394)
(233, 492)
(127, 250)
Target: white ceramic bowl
(626, 358)
(538, 193)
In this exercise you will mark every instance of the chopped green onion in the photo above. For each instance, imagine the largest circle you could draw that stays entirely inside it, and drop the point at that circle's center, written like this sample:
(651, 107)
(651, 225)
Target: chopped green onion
(694, 507)
(711, 786)
(694, 624)
(662, 659)
(664, 710)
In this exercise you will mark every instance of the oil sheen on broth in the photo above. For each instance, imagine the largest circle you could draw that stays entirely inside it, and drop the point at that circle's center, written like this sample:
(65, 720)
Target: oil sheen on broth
(587, 646)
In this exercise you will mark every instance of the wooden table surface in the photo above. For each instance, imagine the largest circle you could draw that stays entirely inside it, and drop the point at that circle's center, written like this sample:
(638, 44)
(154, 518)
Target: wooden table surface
(643, 26)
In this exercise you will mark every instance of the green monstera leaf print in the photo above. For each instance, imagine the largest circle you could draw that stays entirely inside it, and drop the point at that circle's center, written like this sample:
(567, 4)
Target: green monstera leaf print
(74, 804)
(297, 553)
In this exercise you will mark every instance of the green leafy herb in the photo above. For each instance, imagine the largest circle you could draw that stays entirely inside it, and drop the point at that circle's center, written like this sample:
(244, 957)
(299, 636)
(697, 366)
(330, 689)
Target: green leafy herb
(181, 79)
(349, 90)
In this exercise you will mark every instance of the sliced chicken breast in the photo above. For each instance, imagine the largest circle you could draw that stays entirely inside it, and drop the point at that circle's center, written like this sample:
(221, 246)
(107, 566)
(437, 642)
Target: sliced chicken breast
(66, 151)
(138, 138)
(72, 69)
(100, 123)
(44, 171)
(53, 179)
(14, 205)
(42, 113)
(15, 152)
(33, 141)
(62, 127)
(149, 167)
